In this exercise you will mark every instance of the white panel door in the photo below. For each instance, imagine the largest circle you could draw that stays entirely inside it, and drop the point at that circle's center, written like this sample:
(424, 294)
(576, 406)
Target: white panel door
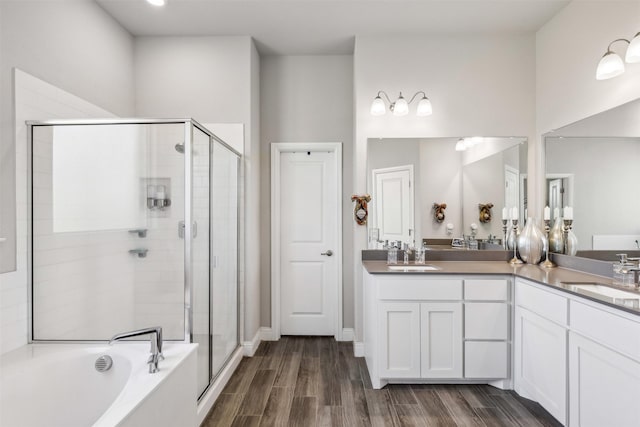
(603, 386)
(308, 237)
(541, 362)
(555, 195)
(393, 200)
(512, 188)
(399, 340)
(441, 340)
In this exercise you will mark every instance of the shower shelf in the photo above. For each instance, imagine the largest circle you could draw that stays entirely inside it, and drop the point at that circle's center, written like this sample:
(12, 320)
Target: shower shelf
(141, 232)
(142, 252)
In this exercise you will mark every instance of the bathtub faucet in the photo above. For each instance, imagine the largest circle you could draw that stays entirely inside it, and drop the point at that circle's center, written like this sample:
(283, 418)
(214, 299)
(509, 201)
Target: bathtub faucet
(156, 344)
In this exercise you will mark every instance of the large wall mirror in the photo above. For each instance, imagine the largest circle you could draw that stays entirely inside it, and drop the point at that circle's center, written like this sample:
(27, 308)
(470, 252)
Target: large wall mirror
(407, 176)
(594, 166)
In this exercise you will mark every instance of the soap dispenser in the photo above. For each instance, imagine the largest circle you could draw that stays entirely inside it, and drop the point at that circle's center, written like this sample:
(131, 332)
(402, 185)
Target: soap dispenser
(623, 274)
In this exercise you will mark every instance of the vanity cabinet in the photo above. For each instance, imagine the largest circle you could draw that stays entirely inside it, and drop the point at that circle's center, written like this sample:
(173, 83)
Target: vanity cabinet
(540, 354)
(604, 367)
(430, 328)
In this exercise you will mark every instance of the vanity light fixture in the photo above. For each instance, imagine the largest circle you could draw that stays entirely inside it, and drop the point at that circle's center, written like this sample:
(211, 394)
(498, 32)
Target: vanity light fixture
(611, 65)
(400, 107)
(157, 2)
(460, 145)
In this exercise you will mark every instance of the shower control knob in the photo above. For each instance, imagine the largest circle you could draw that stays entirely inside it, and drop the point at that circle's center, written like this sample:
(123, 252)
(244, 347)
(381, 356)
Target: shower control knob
(328, 253)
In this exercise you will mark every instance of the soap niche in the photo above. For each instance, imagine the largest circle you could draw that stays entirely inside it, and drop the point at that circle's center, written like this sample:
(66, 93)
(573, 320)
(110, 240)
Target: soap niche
(156, 196)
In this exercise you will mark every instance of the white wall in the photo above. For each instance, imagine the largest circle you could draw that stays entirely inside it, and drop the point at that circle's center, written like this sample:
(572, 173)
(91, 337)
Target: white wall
(307, 99)
(478, 85)
(77, 47)
(213, 80)
(568, 49)
(42, 39)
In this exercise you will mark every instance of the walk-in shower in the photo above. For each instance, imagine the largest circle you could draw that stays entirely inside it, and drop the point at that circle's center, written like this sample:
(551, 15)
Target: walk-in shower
(134, 223)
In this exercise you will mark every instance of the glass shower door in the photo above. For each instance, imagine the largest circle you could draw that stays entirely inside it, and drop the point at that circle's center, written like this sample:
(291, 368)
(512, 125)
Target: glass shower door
(200, 254)
(224, 246)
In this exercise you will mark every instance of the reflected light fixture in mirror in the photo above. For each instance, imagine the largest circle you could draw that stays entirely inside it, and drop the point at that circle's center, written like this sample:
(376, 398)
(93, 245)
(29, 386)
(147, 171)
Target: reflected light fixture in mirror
(400, 107)
(611, 65)
(157, 2)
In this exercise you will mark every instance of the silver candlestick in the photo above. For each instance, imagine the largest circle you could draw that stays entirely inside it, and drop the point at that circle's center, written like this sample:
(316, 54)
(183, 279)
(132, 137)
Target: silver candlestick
(515, 260)
(547, 262)
(565, 235)
(504, 233)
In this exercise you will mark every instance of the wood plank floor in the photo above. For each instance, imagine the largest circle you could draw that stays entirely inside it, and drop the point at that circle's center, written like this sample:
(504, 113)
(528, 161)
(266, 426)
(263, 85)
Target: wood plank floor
(316, 381)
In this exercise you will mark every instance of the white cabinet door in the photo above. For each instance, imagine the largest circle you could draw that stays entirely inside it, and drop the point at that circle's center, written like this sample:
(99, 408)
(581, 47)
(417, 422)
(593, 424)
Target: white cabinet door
(540, 362)
(441, 340)
(486, 320)
(399, 340)
(604, 386)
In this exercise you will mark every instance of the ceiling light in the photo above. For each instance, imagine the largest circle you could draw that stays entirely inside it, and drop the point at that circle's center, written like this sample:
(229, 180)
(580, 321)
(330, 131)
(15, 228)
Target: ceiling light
(400, 107)
(157, 2)
(612, 65)
(633, 51)
(460, 145)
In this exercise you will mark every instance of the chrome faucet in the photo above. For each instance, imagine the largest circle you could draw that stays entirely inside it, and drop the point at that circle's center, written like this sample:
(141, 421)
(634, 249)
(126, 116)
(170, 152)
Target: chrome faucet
(156, 344)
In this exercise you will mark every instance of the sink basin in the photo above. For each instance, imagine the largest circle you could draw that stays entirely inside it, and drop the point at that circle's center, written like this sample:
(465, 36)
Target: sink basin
(425, 267)
(606, 293)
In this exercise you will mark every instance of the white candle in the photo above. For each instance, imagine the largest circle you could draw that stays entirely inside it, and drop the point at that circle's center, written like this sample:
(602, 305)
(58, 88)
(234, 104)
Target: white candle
(556, 213)
(514, 213)
(505, 215)
(160, 194)
(568, 212)
(547, 213)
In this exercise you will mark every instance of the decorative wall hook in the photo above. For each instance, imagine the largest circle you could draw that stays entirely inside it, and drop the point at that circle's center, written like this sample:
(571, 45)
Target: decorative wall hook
(438, 213)
(485, 212)
(360, 211)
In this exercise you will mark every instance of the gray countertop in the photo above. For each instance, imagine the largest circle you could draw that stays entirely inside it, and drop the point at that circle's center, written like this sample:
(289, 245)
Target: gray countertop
(554, 278)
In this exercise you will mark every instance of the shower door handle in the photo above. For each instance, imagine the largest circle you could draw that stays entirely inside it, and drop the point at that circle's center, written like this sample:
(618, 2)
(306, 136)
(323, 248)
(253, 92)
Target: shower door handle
(194, 229)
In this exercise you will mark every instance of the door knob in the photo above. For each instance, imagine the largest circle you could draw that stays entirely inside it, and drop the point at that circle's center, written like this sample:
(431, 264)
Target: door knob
(328, 253)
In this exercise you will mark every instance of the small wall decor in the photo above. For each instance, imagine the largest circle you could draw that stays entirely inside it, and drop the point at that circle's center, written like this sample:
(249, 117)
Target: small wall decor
(360, 211)
(485, 212)
(438, 213)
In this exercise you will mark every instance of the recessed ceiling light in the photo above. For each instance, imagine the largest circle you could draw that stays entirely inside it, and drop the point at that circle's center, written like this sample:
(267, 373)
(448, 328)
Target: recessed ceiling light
(157, 2)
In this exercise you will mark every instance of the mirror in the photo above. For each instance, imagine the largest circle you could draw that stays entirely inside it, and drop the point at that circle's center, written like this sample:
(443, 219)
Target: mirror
(408, 176)
(594, 165)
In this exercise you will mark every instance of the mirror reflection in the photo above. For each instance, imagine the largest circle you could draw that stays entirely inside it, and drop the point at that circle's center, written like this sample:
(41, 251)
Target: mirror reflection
(423, 188)
(592, 166)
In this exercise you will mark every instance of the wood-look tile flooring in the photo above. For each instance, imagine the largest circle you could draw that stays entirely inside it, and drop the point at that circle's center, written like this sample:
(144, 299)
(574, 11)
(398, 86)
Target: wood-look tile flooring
(316, 381)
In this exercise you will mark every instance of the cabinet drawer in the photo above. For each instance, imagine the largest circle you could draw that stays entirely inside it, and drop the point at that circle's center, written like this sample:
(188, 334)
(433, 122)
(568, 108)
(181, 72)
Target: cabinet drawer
(486, 289)
(622, 335)
(486, 320)
(417, 288)
(486, 359)
(546, 304)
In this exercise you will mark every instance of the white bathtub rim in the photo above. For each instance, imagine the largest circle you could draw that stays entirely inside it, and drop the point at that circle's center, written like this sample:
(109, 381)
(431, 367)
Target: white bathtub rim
(138, 386)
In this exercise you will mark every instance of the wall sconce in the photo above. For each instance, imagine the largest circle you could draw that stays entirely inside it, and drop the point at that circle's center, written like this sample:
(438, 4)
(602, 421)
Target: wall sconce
(438, 211)
(485, 212)
(611, 64)
(400, 107)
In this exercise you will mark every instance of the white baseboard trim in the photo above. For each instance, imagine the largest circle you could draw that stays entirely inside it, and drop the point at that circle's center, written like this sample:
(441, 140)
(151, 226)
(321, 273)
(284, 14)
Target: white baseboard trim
(250, 347)
(347, 334)
(358, 349)
(209, 398)
(267, 334)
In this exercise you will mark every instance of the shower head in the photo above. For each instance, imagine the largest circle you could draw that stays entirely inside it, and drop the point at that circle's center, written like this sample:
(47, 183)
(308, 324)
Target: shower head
(180, 148)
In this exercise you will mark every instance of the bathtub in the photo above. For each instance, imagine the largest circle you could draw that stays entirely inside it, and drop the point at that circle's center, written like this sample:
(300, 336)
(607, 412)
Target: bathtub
(57, 385)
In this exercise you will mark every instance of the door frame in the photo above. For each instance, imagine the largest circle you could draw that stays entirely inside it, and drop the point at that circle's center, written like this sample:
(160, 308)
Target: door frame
(288, 147)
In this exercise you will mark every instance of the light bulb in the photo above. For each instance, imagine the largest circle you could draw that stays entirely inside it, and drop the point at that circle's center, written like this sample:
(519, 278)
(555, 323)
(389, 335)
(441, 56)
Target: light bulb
(610, 66)
(377, 107)
(424, 107)
(401, 107)
(633, 51)
(157, 2)
(460, 145)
